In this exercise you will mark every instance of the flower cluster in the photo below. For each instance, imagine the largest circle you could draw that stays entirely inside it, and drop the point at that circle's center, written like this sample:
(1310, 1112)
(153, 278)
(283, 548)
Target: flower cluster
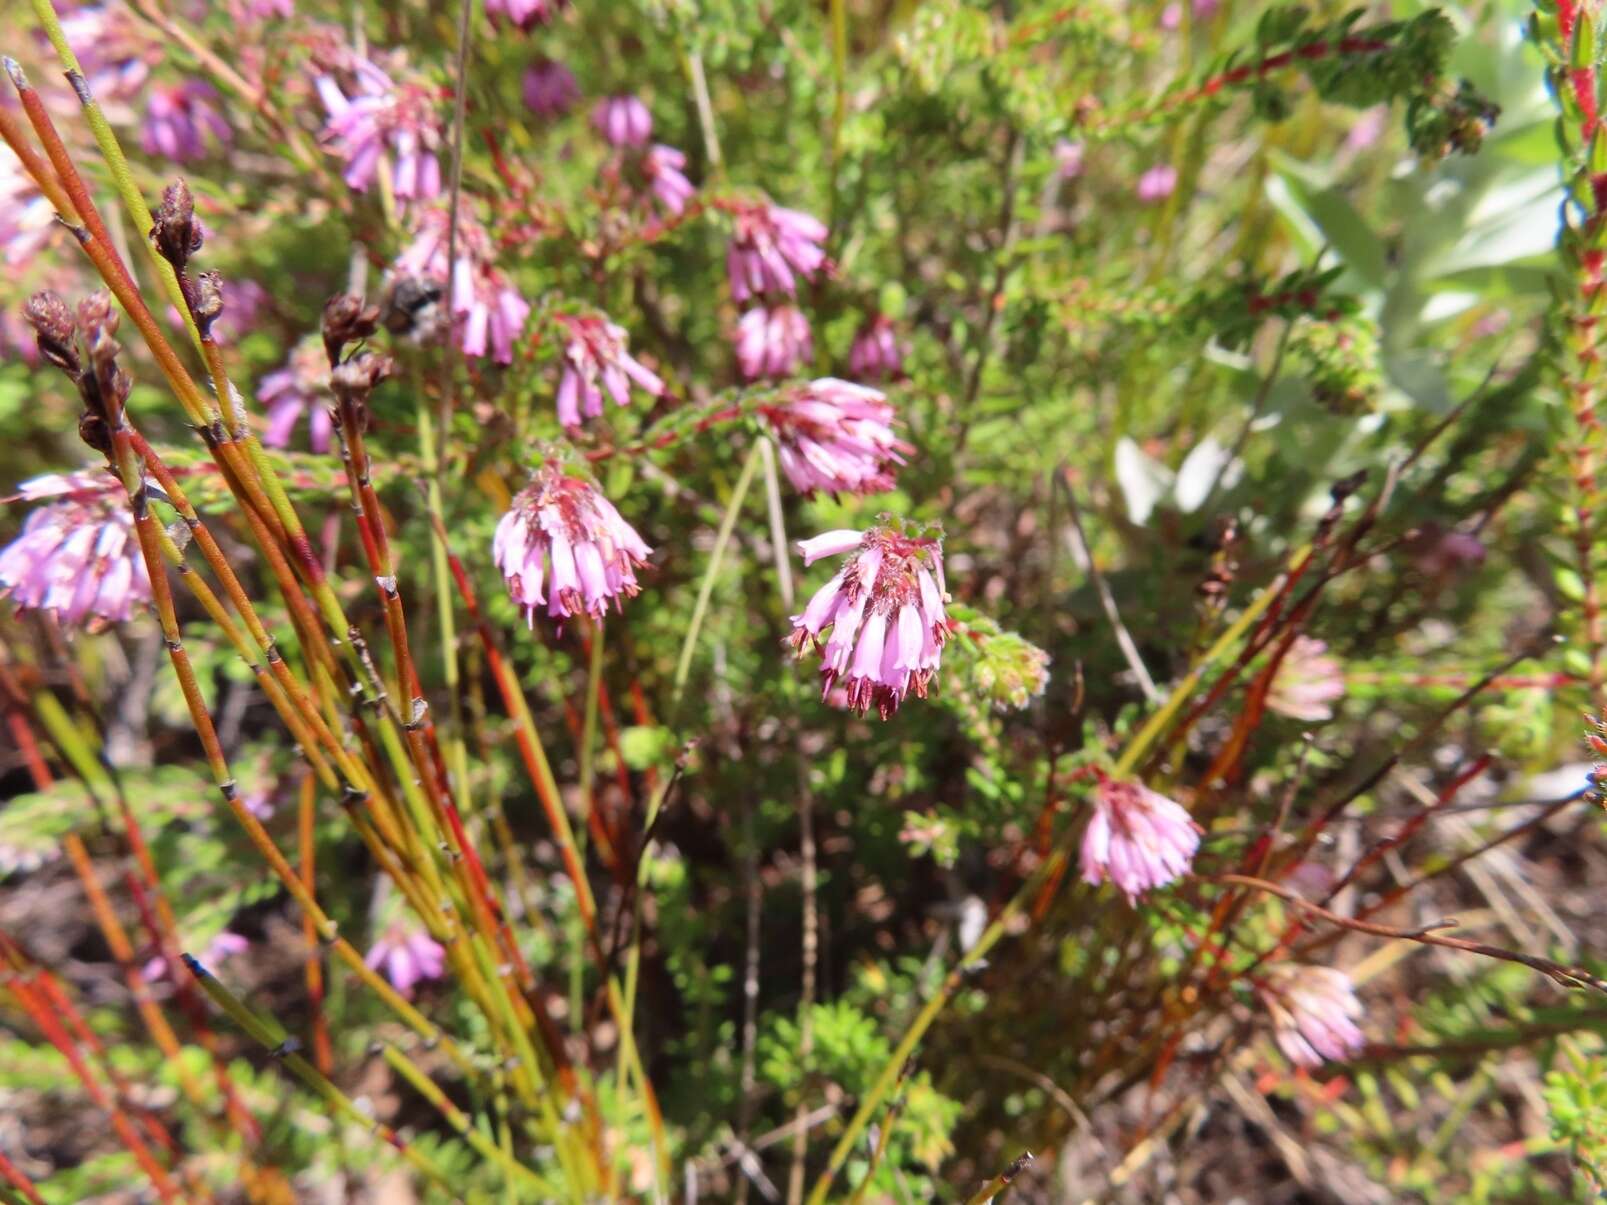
(773, 341)
(491, 311)
(178, 119)
(876, 354)
(382, 114)
(550, 89)
(1307, 683)
(665, 170)
(407, 956)
(300, 386)
(563, 544)
(1137, 838)
(595, 360)
(623, 120)
(885, 611)
(1314, 1012)
(78, 559)
(526, 14)
(835, 437)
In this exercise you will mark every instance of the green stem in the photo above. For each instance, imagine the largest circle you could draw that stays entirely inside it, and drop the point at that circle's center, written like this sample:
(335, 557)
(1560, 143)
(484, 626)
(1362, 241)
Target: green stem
(706, 589)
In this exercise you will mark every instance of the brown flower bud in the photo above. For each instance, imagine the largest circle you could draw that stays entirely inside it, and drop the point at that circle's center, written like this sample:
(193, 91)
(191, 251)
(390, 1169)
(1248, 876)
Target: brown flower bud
(53, 323)
(358, 375)
(347, 320)
(176, 232)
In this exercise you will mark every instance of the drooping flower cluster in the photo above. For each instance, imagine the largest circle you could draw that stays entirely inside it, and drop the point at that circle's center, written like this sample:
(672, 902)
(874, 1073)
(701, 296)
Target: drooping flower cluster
(1307, 683)
(526, 14)
(491, 312)
(26, 217)
(550, 89)
(773, 341)
(300, 386)
(78, 559)
(835, 437)
(407, 955)
(770, 248)
(564, 545)
(596, 360)
(876, 354)
(382, 115)
(665, 169)
(1314, 1012)
(623, 120)
(178, 119)
(1137, 838)
(1157, 183)
(885, 609)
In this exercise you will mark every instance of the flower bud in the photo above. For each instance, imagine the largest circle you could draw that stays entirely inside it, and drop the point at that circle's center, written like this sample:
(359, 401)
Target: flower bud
(347, 320)
(206, 301)
(176, 232)
(55, 329)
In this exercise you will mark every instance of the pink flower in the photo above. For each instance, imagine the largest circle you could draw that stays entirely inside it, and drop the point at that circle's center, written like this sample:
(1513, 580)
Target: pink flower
(221, 948)
(300, 386)
(1157, 183)
(1314, 1011)
(771, 247)
(623, 120)
(114, 54)
(27, 219)
(1136, 838)
(664, 167)
(1307, 682)
(82, 484)
(78, 559)
(596, 353)
(836, 437)
(384, 115)
(526, 14)
(263, 10)
(563, 544)
(407, 956)
(178, 119)
(1068, 159)
(550, 89)
(1441, 554)
(885, 612)
(772, 342)
(492, 311)
(876, 354)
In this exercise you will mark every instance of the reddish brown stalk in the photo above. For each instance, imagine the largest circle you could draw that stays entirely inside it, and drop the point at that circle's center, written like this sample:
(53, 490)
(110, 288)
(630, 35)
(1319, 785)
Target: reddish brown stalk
(12, 699)
(1569, 977)
(12, 1175)
(323, 1053)
(44, 1017)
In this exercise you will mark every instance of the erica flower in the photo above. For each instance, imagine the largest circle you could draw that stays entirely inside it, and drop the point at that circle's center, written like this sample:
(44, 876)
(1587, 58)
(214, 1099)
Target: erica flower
(178, 120)
(836, 437)
(1068, 159)
(770, 247)
(406, 956)
(491, 310)
(595, 360)
(384, 115)
(1136, 838)
(300, 386)
(1157, 183)
(623, 120)
(885, 612)
(550, 89)
(773, 341)
(876, 354)
(1307, 682)
(664, 167)
(26, 217)
(78, 559)
(224, 946)
(526, 14)
(563, 544)
(1314, 1012)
